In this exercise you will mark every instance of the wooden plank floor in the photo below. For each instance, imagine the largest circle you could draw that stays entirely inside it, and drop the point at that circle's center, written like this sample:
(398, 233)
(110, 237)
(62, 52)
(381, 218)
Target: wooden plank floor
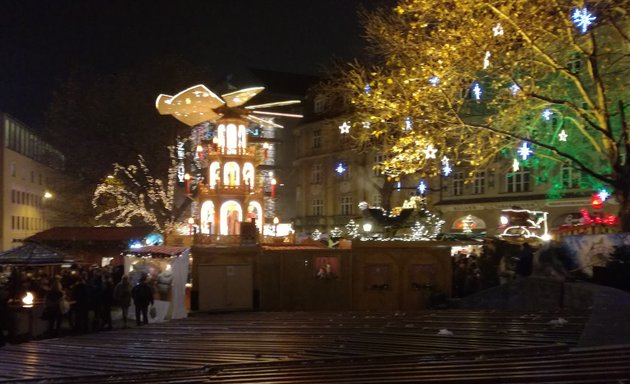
(228, 347)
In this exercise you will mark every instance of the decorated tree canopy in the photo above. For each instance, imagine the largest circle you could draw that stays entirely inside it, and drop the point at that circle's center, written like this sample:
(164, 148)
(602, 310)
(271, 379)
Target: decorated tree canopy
(531, 83)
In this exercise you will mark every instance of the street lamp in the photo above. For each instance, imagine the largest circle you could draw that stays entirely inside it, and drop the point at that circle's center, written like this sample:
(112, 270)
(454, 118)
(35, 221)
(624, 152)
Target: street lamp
(187, 180)
(273, 187)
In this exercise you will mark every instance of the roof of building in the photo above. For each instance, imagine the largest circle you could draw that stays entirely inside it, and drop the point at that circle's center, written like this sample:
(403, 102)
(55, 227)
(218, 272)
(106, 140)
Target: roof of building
(100, 234)
(33, 254)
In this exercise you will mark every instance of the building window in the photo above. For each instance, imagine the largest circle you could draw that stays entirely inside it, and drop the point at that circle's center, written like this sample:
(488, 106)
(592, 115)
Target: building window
(316, 173)
(517, 181)
(574, 65)
(570, 177)
(458, 184)
(317, 207)
(479, 183)
(319, 104)
(317, 138)
(377, 200)
(346, 205)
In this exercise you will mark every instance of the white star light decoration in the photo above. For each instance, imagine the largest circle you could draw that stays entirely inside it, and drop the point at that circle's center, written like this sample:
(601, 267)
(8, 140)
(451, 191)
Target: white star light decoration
(340, 168)
(524, 151)
(497, 30)
(344, 128)
(430, 152)
(582, 18)
(366, 125)
(422, 187)
(562, 136)
(546, 114)
(446, 167)
(515, 166)
(477, 91)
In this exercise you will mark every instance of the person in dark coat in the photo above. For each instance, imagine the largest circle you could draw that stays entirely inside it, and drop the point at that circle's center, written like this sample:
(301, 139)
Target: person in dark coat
(81, 304)
(525, 262)
(122, 296)
(52, 308)
(107, 301)
(142, 297)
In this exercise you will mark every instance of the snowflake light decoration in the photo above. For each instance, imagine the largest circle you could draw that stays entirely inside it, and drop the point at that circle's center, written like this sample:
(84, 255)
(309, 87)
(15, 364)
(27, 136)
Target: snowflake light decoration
(430, 152)
(434, 80)
(562, 136)
(524, 151)
(408, 123)
(582, 18)
(366, 125)
(547, 113)
(477, 91)
(340, 169)
(603, 194)
(446, 167)
(344, 128)
(422, 187)
(515, 89)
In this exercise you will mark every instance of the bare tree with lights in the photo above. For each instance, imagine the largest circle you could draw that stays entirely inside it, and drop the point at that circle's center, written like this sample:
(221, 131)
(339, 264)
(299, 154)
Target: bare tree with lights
(132, 196)
(464, 84)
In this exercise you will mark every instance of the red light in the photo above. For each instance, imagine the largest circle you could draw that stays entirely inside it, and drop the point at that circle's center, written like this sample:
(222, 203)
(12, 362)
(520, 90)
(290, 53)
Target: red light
(596, 202)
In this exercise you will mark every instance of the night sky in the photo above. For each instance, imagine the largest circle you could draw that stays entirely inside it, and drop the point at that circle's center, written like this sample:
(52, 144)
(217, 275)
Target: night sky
(42, 40)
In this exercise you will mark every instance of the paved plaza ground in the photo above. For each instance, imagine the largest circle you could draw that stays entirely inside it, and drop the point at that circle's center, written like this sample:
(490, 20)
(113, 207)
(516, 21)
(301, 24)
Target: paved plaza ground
(490, 346)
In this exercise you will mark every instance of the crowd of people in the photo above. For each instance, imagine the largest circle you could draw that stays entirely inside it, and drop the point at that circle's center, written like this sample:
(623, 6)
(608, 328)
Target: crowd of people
(81, 297)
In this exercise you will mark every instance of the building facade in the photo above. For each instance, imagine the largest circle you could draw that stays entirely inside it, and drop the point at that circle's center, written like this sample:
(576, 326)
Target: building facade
(30, 168)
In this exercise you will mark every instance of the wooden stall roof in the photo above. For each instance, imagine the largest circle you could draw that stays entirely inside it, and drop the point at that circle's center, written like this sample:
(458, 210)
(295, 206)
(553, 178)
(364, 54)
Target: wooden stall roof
(34, 254)
(163, 251)
(93, 234)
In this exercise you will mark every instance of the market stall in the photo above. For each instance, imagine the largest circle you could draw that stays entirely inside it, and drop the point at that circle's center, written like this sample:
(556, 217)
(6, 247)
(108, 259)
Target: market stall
(166, 268)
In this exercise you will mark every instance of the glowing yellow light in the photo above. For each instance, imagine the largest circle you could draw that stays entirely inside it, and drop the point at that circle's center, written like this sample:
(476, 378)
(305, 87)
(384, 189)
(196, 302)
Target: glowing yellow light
(28, 299)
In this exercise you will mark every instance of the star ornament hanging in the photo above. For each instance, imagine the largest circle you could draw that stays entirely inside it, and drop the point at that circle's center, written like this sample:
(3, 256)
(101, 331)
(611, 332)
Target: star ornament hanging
(515, 165)
(546, 114)
(603, 195)
(497, 30)
(344, 128)
(408, 123)
(562, 136)
(434, 81)
(582, 18)
(524, 151)
(430, 152)
(477, 91)
(340, 168)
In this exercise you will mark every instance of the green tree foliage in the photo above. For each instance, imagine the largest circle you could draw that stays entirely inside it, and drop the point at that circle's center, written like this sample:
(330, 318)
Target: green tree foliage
(539, 76)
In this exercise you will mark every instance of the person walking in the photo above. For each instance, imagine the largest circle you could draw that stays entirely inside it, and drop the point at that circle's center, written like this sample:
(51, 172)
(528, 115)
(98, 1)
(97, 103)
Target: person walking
(122, 296)
(142, 297)
(52, 308)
